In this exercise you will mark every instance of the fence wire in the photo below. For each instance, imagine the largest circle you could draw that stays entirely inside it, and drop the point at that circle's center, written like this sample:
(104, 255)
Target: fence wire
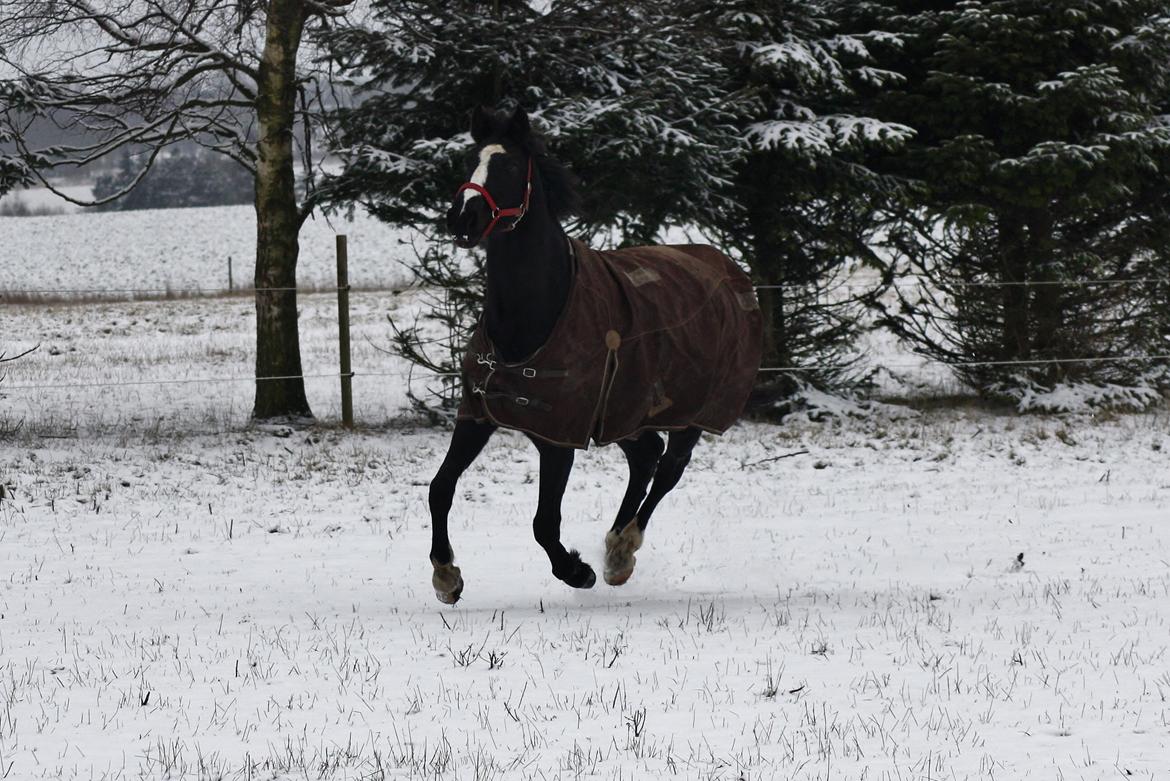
(5, 387)
(206, 291)
(108, 291)
(1021, 283)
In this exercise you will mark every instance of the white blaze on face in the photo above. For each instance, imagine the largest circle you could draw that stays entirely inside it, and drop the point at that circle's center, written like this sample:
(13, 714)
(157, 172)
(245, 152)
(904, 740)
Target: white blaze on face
(481, 171)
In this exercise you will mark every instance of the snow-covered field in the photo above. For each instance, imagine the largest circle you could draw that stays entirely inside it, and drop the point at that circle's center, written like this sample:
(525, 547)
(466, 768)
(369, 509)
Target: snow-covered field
(183, 595)
(179, 343)
(181, 250)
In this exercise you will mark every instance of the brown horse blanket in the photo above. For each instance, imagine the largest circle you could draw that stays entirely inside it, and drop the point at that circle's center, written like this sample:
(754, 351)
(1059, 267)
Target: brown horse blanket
(650, 338)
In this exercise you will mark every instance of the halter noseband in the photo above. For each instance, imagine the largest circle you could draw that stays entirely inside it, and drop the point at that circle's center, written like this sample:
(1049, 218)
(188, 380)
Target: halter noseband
(516, 211)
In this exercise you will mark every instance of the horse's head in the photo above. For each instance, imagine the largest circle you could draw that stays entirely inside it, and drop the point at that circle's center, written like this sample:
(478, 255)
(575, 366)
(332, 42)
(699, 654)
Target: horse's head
(498, 187)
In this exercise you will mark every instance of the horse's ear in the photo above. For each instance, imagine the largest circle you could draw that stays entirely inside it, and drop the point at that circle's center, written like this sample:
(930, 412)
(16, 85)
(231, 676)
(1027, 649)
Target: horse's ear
(518, 127)
(481, 124)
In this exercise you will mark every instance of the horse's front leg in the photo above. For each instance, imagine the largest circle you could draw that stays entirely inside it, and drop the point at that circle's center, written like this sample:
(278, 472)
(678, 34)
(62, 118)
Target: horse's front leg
(555, 465)
(466, 443)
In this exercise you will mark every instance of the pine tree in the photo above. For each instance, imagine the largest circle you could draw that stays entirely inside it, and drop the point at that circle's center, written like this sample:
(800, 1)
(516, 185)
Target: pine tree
(1044, 148)
(615, 87)
(717, 116)
(589, 73)
(802, 206)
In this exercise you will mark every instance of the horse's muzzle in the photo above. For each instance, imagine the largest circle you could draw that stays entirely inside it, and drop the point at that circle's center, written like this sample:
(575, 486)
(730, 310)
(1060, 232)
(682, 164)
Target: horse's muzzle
(467, 222)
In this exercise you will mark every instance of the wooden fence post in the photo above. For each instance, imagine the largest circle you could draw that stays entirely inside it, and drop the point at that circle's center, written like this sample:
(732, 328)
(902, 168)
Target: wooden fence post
(231, 281)
(343, 331)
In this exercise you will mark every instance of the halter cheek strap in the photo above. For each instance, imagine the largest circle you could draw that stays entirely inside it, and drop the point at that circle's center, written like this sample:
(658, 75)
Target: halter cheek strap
(517, 212)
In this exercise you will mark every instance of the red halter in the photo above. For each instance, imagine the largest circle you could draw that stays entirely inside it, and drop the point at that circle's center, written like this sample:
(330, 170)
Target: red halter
(516, 211)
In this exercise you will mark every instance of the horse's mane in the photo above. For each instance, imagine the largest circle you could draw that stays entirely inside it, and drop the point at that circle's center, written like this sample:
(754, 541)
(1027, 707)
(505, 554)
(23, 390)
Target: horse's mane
(560, 184)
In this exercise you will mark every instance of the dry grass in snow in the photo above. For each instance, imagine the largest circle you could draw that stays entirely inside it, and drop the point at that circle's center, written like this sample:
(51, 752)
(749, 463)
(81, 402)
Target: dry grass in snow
(182, 595)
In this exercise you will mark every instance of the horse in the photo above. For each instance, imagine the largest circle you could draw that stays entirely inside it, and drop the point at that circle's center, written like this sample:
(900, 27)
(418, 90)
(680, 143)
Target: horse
(575, 345)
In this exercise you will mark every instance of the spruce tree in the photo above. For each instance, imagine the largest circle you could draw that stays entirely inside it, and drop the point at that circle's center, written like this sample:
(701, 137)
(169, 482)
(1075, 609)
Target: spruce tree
(723, 117)
(803, 206)
(1044, 148)
(612, 85)
(622, 99)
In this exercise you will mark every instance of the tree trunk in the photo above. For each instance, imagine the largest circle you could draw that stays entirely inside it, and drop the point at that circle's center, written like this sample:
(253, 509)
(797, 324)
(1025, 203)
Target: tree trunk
(772, 313)
(1013, 256)
(1048, 300)
(767, 264)
(766, 261)
(278, 220)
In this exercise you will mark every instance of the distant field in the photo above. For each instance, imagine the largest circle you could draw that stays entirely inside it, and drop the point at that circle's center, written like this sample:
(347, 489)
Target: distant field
(42, 200)
(181, 249)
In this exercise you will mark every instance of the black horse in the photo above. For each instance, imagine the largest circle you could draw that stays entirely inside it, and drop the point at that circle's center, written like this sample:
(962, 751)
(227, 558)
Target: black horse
(537, 279)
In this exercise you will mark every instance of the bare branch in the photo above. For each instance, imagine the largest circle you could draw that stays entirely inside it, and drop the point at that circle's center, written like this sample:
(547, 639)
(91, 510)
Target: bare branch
(141, 75)
(4, 358)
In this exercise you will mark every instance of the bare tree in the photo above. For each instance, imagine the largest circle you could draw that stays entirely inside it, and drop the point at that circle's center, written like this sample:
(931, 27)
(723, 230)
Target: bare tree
(236, 76)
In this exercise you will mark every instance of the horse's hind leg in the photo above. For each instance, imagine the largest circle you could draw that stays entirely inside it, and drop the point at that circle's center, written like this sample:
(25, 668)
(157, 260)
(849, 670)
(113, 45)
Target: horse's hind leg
(621, 546)
(555, 465)
(624, 538)
(466, 443)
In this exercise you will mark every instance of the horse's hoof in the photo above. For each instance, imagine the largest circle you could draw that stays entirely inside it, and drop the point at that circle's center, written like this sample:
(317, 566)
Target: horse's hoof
(580, 574)
(619, 577)
(448, 582)
(590, 578)
(619, 553)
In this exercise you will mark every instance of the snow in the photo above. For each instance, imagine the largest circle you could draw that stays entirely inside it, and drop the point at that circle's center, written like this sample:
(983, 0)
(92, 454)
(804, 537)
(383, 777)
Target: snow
(1086, 396)
(1049, 153)
(841, 596)
(799, 54)
(43, 199)
(820, 136)
(184, 249)
(817, 405)
(813, 138)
